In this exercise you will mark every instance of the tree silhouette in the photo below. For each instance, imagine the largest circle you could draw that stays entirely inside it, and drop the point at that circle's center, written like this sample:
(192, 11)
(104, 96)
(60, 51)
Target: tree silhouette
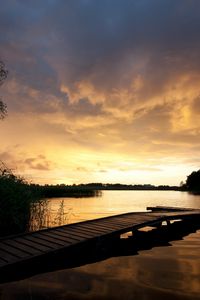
(3, 75)
(193, 181)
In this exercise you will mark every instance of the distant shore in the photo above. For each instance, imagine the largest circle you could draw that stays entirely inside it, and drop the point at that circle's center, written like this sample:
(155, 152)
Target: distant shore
(94, 189)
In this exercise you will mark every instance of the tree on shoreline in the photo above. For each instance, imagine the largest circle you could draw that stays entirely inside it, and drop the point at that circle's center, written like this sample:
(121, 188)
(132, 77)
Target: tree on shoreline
(193, 181)
(3, 76)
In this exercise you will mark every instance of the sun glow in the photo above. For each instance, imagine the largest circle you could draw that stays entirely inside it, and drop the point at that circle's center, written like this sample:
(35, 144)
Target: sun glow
(101, 101)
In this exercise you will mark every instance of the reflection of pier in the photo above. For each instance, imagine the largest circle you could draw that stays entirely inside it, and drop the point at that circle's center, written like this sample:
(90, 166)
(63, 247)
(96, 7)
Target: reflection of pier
(27, 254)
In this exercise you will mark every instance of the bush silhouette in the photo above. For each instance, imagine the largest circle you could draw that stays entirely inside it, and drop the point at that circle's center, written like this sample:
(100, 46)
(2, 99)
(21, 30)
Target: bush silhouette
(3, 75)
(16, 199)
(193, 181)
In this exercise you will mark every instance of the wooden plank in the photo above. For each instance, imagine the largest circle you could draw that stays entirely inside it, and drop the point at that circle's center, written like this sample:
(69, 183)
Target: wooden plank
(85, 232)
(134, 216)
(79, 229)
(121, 224)
(98, 230)
(88, 233)
(144, 219)
(135, 223)
(182, 213)
(20, 246)
(107, 226)
(102, 226)
(117, 223)
(139, 217)
(45, 237)
(168, 208)
(89, 228)
(66, 233)
(125, 222)
(67, 240)
(7, 256)
(95, 232)
(14, 251)
(2, 262)
(95, 225)
(76, 232)
(35, 239)
(32, 244)
(105, 222)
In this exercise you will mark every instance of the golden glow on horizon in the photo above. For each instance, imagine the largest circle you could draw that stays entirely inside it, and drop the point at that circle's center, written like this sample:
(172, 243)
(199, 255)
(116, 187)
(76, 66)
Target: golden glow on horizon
(101, 148)
(113, 99)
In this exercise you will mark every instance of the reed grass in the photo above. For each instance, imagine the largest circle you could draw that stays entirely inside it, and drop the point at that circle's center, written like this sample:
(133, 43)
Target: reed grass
(16, 199)
(24, 207)
(42, 216)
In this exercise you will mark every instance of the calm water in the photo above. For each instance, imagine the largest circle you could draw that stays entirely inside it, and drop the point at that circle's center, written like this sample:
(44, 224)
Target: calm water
(170, 272)
(115, 202)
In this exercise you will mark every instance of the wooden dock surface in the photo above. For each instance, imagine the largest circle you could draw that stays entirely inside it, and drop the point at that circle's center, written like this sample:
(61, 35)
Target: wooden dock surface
(26, 247)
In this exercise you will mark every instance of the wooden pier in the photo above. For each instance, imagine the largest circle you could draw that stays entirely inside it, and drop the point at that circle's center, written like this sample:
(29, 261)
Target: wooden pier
(26, 249)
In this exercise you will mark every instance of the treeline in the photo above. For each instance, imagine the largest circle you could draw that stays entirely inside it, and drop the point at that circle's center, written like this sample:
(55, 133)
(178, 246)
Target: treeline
(119, 186)
(62, 190)
(93, 189)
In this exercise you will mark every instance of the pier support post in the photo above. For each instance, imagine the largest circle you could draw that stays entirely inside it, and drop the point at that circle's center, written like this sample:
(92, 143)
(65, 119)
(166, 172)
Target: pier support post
(136, 232)
(159, 225)
(168, 222)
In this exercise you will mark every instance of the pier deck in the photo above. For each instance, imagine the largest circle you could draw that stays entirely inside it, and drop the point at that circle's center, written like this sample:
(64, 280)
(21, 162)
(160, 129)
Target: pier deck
(26, 248)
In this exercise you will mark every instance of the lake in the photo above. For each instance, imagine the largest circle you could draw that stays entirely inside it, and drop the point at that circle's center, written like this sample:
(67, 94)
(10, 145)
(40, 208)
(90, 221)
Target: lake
(71, 210)
(171, 271)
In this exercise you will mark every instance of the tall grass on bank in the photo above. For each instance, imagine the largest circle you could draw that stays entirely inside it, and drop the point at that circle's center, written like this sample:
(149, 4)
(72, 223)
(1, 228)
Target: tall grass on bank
(43, 216)
(24, 207)
(40, 215)
(16, 200)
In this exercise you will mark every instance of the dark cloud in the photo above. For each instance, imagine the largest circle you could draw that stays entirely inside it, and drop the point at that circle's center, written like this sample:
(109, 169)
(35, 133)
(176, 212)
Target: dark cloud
(196, 105)
(84, 107)
(38, 163)
(5, 156)
(104, 41)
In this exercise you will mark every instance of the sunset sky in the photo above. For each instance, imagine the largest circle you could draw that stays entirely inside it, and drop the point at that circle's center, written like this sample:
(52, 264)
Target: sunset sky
(101, 90)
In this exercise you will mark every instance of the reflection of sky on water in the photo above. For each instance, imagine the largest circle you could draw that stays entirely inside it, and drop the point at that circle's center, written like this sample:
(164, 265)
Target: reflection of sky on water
(116, 202)
(160, 273)
(60, 211)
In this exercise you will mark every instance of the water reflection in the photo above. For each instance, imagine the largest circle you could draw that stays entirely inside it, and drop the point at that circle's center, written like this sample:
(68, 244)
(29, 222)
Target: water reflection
(115, 202)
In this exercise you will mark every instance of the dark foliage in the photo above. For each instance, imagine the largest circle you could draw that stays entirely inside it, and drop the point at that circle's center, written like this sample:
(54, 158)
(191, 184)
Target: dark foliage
(119, 186)
(193, 181)
(3, 72)
(62, 190)
(3, 75)
(16, 198)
